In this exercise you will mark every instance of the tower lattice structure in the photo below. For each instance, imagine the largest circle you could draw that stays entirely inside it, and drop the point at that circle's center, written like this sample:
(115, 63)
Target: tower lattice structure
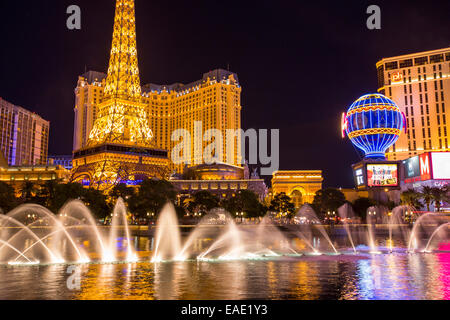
(120, 143)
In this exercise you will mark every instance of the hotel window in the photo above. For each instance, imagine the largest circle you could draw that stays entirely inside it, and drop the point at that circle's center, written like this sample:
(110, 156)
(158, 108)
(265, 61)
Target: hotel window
(436, 58)
(421, 110)
(391, 65)
(421, 61)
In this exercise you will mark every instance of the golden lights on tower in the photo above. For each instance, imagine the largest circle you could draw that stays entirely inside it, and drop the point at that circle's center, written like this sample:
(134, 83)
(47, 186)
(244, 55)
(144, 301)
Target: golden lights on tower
(119, 144)
(122, 117)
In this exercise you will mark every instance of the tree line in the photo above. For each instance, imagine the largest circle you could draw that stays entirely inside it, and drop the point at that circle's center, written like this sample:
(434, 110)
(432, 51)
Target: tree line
(152, 195)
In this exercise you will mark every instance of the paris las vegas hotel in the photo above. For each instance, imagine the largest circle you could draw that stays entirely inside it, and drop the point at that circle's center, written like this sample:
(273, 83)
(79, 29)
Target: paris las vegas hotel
(215, 100)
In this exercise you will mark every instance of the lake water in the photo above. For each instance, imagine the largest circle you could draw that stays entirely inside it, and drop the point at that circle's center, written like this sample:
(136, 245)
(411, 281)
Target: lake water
(381, 276)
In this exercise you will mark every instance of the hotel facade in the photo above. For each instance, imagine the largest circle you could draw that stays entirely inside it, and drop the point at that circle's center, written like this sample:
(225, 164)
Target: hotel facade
(23, 136)
(419, 84)
(214, 101)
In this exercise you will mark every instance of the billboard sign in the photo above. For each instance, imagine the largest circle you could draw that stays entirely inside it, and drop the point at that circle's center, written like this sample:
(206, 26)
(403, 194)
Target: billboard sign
(412, 167)
(425, 166)
(382, 175)
(359, 177)
(441, 165)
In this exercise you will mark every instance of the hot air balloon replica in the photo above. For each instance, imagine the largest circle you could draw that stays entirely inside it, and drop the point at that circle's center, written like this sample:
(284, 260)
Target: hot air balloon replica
(373, 124)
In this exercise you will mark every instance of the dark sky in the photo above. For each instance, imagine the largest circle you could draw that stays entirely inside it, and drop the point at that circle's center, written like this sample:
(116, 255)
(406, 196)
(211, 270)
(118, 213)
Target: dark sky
(300, 63)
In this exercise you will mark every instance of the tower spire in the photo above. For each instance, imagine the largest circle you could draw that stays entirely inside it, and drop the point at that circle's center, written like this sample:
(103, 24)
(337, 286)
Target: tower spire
(122, 118)
(123, 72)
(119, 148)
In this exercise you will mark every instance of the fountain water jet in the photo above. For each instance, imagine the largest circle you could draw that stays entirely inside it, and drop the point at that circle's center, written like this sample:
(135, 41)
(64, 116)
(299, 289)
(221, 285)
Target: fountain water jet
(307, 213)
(435, 233)
(345, 212)
(119, 217)
(168, 237)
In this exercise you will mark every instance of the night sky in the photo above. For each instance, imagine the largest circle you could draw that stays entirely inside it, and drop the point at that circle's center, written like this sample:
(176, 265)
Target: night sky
(300, 63)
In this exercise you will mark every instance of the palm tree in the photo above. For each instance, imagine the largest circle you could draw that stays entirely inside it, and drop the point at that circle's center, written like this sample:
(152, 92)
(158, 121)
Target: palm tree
(439, 195)
(427, 196)
(411, 198)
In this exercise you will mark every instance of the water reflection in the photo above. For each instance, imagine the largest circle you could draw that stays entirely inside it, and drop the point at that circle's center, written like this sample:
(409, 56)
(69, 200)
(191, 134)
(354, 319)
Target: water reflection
(386, 276)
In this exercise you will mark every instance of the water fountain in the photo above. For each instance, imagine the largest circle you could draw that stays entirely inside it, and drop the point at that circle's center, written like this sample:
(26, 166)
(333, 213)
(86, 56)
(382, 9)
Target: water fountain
(398, 226)
(308, 217)
(31, 235)
(374, 215)
(346, 214)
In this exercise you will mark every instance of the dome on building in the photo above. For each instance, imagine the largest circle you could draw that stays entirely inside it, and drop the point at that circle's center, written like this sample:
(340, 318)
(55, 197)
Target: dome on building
(218, 171)
(373, 123)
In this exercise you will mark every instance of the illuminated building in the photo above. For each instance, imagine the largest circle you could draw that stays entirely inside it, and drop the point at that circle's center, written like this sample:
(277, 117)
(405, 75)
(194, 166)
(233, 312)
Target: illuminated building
(221, 179)
(23, 135)
(419, 83)
(17, 175)
(300, 185)
(64, 161)
(88, 95)
(373, 123)
(120, 146)
(215, 101)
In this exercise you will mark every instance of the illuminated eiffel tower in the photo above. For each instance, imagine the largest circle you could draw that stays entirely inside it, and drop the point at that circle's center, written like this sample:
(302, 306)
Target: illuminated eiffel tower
(119, 149)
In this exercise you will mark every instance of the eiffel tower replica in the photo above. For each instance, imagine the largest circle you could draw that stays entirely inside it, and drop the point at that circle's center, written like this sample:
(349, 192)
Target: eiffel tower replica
(120, 147)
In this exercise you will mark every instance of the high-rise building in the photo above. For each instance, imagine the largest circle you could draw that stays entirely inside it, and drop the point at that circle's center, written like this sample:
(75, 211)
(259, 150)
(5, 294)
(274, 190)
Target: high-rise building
(88, 95)
(120, 146)
(215, 101)
(23, 136)
(419, 83)
(61, 160)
